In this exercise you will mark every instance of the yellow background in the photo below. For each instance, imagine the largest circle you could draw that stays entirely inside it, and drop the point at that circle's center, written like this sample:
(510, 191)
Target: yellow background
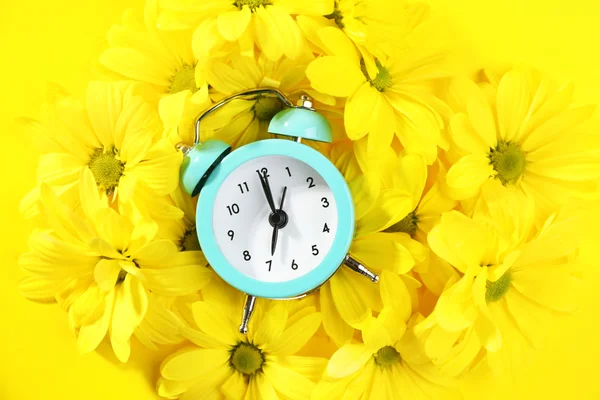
(59, 41)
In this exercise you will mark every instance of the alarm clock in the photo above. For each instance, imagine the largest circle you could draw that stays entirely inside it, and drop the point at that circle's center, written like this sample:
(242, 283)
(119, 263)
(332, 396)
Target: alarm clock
(275, 218)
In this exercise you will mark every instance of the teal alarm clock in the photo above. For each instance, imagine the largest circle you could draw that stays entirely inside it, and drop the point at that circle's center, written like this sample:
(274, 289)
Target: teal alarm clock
(275, 218)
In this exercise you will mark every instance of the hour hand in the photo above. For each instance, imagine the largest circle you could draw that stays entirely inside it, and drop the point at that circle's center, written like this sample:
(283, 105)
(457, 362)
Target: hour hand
(264, 182)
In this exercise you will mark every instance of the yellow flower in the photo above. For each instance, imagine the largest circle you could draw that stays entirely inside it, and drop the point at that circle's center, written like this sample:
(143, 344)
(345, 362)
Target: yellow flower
(391, 96)
(116, 136)
(513, 277)
(525, 134)
(246, 120)
(107, 272)
(162, 60)
(374, 25)
(348, 299)
(226, 364)
(388, 364)
(267, 23)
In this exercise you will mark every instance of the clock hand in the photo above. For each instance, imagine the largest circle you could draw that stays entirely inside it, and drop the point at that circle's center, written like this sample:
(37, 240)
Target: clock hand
(282, 198)
(264, 182)
(274, 239)
(277, 226)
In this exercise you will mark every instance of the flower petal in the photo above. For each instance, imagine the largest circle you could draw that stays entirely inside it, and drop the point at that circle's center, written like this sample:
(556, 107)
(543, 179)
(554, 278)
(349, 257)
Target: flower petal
(512, 103)
(336, 76)
(296, 336)
(232, 24)
(348, 360)
(280, 377)
(106, 273)
(360, 113)
(466, 177)
(334, 325)
(190, 363)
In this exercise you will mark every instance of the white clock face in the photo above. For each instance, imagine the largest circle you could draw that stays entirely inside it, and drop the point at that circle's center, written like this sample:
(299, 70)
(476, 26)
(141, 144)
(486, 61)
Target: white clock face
(243, 223)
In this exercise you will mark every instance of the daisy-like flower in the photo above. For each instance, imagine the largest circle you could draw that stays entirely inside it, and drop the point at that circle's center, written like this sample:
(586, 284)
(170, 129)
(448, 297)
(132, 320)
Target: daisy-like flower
(162, 60)
(392, 96)
(267, 23)
(348, 299)
(388, 363)
(224, 364)
(525, 134)
(116, 136)
(108, 273)
(373, 24)
(512, 276)
(246, 120)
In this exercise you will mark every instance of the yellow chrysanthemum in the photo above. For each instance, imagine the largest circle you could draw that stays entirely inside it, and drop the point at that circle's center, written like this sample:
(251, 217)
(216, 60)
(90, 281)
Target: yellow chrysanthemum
(391, 96)
(374, 25)
(107, 272)
(116, 136)
(246, 120)
(267, 23)
(525, 134)
(388, 364)
(163, 60)
(225, 364)
(348, 299)
(512, 278)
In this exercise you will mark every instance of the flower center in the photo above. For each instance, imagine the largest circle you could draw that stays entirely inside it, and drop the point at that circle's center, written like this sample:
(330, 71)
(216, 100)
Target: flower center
(107, 168)
(184, 79)
(121, 276)
(246, 358)
(386, 356)
(508, 161)
(382, 81)
(189, 241)
(253, 4)
(266, 107)
(407, 225)
(494, 291)
(336, 16)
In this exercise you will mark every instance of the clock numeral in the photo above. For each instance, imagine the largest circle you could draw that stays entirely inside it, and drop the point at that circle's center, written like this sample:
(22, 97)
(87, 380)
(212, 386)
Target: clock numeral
(233, 209)
(294, 265)
(315, 251)
(247, 255)
(325, 202)
(264, 172)
(325, 228)
(311, 182)
(289, 172)
(244, 187)
(231, 234)
(269, 264)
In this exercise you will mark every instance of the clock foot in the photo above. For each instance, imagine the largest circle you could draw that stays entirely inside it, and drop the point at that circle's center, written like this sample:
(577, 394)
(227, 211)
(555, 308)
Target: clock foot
(247, 313)
(356, 266)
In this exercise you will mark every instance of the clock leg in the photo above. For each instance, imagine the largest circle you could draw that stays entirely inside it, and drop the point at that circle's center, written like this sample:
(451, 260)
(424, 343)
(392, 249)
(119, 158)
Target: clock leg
(247, 313)
(356, 266)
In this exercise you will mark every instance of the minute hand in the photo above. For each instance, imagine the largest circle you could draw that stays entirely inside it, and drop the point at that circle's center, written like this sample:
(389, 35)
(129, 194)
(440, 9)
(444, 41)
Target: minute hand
(264, 182)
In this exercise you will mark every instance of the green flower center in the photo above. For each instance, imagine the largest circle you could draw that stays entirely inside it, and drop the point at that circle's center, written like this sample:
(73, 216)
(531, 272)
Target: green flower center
(266, 107)
(184, 79)
(407, 225)
(508, 161)
(253, 4)
(189, 241)
(336, 16)
(107, 168)
(386, 356)
(382, 81)
(494, 291)
(246, 358)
